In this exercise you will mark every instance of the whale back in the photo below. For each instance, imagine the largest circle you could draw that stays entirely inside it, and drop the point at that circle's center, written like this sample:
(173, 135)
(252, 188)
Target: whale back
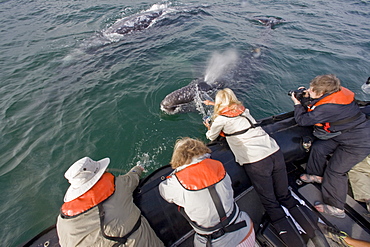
(134, 23)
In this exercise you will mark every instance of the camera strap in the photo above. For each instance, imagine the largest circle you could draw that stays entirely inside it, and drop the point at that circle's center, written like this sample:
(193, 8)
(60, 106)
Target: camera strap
(244, 130)
(119, 240)
(347, 120)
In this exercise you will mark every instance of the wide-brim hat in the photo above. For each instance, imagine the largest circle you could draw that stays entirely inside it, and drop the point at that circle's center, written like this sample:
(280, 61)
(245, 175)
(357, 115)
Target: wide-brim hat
(83, 175)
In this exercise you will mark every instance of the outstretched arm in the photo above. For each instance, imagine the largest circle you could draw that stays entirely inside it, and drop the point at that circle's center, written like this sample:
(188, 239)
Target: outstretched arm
(208, 102)
(132, 177)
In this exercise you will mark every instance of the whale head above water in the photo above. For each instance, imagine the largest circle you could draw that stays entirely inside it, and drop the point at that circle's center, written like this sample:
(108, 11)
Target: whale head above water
(183, 99)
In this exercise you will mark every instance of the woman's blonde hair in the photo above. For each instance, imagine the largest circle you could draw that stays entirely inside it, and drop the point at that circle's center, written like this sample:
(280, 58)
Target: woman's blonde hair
(186, 149)
(224, 98)
(325, 84)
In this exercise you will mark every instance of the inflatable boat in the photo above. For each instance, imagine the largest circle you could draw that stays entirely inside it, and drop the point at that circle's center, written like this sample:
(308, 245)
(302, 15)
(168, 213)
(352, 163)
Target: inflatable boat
(173, 229)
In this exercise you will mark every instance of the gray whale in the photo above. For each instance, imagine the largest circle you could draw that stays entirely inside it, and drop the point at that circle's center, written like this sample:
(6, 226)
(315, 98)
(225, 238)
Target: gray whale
(270, 21)
(224, 70)
(134, 23)
(156, 16)
(183, 99)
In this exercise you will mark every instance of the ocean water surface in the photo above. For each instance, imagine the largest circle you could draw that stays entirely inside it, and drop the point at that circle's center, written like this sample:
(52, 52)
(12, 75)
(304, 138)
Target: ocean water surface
(70, 88)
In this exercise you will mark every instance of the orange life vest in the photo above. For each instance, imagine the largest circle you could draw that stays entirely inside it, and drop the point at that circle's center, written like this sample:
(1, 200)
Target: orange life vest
(343, 97)
(231, 111)
(201, 175)
(99, 192)
(234, 111)
(204, 175)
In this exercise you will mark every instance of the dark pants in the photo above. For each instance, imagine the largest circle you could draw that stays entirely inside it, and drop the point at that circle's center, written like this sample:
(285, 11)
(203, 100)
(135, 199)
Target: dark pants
(348, 149)
(270, 180)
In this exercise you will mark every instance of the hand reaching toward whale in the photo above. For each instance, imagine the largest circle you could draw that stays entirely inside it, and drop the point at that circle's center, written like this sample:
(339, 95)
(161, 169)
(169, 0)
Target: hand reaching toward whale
(208, 102)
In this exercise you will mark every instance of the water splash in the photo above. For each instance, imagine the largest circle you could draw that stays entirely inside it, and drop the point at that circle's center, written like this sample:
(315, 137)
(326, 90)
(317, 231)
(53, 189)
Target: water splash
(148, 160)
(157, 7)
(366, 86)
(144, 161)
(219, 64)
(200, 96)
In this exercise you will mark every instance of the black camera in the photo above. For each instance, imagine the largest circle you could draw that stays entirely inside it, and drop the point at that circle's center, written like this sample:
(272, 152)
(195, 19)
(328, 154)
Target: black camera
(298, 94)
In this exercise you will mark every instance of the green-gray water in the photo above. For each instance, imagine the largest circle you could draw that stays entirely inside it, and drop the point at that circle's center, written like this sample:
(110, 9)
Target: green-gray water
(65, 95)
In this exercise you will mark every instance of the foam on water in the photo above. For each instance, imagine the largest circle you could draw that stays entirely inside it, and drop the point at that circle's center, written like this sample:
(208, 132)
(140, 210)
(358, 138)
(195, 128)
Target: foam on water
(366, 86)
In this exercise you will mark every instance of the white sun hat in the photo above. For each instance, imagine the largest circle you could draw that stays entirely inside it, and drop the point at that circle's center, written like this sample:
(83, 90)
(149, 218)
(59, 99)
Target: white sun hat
(83, 175)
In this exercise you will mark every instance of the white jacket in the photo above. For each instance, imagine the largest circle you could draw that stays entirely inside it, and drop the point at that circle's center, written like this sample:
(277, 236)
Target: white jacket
(250, 147)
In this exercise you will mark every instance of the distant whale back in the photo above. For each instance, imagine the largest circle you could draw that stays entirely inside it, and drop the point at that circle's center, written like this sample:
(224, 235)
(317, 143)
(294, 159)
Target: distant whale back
(157, 15)
(134, 23)
(270, 21)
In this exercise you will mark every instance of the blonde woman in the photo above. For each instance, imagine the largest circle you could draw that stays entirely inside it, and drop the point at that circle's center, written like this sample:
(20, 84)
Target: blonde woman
(262, 160)
(202, 188)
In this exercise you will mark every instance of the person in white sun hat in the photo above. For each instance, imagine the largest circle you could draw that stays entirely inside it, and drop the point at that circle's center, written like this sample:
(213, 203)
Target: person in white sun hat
(98, 208)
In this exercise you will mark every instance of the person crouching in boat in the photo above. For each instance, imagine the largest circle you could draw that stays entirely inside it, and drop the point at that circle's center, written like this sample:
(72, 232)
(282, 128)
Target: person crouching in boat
(202, 189)
(342, 130)
(359, 178)
(264, 163)
(98, 208)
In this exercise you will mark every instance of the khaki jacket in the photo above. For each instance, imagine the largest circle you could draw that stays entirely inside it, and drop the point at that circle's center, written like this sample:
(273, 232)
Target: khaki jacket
(121, 215)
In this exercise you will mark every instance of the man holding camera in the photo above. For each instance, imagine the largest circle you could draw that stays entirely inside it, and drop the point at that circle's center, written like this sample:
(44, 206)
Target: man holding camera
(342, 130)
